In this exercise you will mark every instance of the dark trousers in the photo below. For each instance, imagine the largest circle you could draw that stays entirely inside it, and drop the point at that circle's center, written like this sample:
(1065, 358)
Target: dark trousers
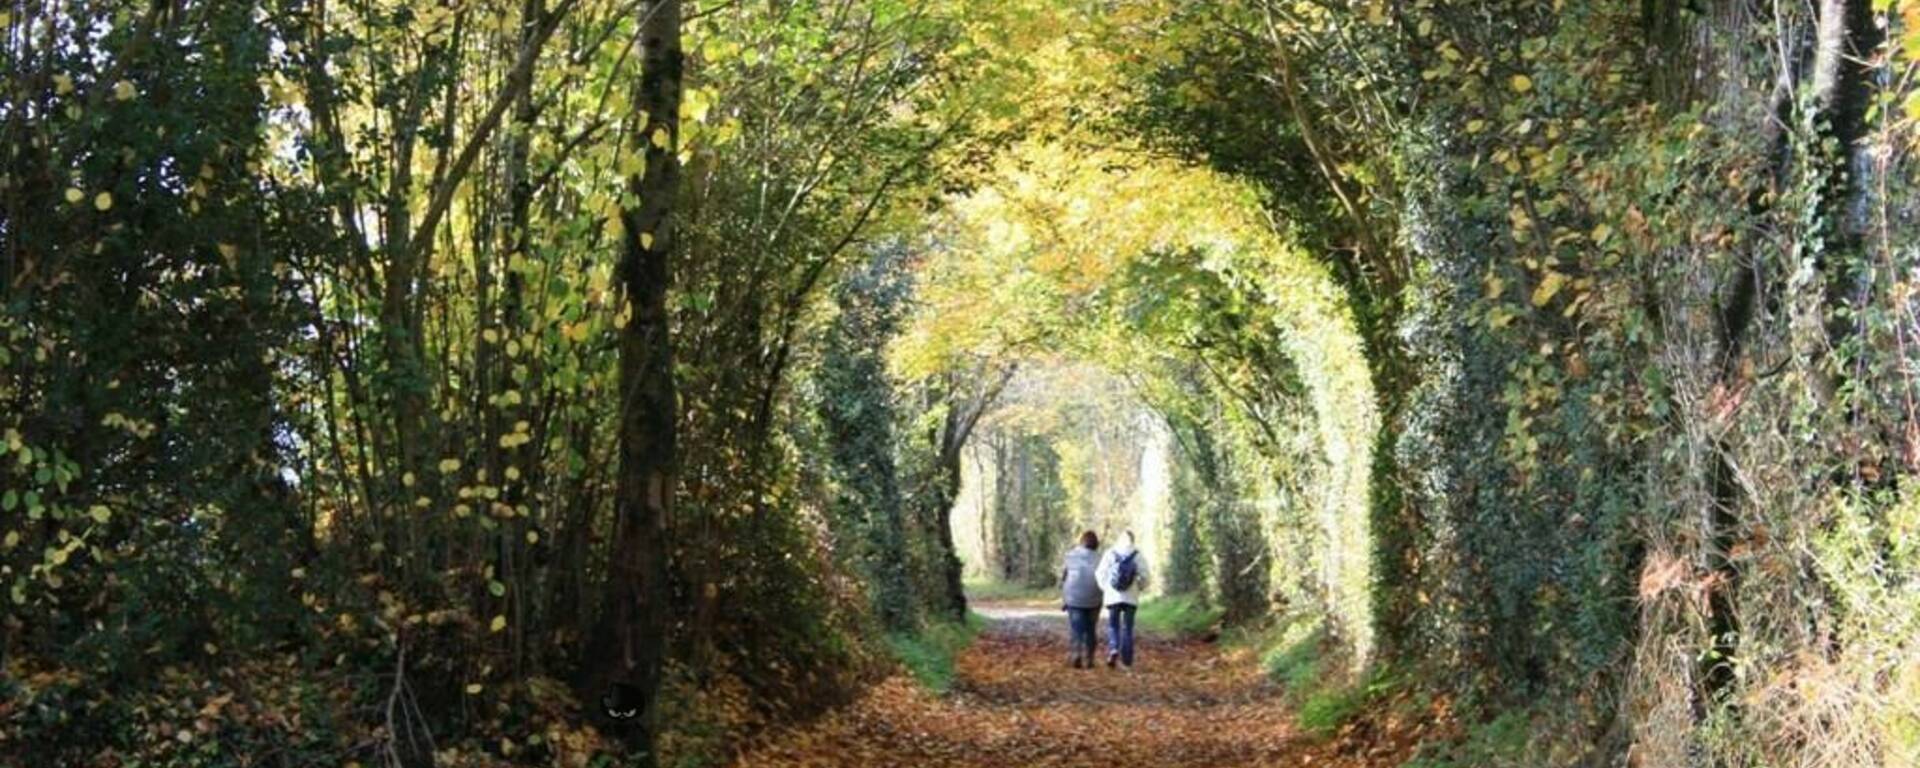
(1120, 632)
(1080, 623)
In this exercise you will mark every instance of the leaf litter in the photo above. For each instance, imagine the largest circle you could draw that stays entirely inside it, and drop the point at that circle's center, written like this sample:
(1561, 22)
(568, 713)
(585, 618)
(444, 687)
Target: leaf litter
(1016, 702)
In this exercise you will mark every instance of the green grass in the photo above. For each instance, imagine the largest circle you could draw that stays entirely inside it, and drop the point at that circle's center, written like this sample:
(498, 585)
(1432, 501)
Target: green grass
(928, 654)
(1323, 703)
(1294, 657)
(1296, 664)
(1000, 590)
(1501, 741)
(1325, 710)
(1183, 615)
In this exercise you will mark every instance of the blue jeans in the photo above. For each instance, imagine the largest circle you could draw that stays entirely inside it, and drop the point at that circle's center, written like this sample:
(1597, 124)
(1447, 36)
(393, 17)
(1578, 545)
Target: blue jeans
(1080, 622)
(1120, 632)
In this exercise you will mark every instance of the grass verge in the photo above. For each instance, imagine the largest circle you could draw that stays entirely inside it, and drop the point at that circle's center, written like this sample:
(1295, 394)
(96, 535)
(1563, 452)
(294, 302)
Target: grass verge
(928, 654)
(1001, 590)
(1501, 741)
(1296, 657)
(1181, 615)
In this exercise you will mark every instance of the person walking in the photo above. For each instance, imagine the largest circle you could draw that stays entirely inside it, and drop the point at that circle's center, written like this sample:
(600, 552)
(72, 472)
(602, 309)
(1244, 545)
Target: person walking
(1080, 598)
(1122, 573)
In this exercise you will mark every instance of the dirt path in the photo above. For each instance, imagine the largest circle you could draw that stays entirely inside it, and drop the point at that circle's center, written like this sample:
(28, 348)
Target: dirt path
(1015, 702)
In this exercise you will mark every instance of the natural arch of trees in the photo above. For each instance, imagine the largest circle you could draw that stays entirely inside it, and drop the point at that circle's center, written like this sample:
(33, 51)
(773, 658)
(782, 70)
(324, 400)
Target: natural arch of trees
(1172, 280)
(448, 373)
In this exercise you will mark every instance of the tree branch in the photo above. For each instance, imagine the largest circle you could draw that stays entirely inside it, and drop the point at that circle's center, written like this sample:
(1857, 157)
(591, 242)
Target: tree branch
(519, 79)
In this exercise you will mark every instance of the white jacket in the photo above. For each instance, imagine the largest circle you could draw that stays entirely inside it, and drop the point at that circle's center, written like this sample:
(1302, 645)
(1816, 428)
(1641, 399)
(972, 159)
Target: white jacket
(1110, 567)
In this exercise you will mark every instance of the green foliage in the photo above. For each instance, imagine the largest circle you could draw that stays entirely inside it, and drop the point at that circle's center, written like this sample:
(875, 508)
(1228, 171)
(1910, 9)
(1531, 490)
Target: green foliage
(1300, 654)
(1177, 614)
(859, 423)
(1502, 741)
(1571, 266)
(1029, 520)
(1293, 659)
(1326, 697)
(1010, 591)
(1324, 711)
(1217, 322)
(928, 654)
(146, 296)
(307, 315)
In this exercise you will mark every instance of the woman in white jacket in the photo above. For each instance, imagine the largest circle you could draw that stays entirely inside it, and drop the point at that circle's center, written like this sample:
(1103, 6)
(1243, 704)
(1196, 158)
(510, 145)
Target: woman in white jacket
(1122, 574)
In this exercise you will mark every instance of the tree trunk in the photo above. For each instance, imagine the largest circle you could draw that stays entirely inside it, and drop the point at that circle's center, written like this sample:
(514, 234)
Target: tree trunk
(630, 644)
(950, 490)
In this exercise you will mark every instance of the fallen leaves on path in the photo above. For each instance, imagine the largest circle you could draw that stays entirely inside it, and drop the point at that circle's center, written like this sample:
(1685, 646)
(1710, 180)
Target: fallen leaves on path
(1016, 702)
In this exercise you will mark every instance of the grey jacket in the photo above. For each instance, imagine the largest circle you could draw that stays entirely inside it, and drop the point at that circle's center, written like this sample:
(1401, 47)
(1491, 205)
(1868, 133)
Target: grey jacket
(1079, 584)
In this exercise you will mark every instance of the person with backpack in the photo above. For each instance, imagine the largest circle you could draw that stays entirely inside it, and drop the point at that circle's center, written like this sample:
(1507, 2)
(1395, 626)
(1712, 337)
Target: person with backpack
(1123, 573)
(1080, 598)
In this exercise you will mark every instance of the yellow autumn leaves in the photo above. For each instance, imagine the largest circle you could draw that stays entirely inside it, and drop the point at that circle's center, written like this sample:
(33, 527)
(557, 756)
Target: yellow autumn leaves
(1549, 286)
(1051, 227)
(519, 437)
(102, 201)
(1053, 230)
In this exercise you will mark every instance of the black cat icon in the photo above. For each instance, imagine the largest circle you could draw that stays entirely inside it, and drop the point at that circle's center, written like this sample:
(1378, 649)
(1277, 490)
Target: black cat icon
(621, 702)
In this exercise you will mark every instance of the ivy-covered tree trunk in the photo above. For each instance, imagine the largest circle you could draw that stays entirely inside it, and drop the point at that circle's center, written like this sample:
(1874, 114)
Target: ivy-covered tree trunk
(999, 544)
(630, 643)
(1025, 510)
(962, 405)
(1186, 555)
(946, 491)
(858, 413)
